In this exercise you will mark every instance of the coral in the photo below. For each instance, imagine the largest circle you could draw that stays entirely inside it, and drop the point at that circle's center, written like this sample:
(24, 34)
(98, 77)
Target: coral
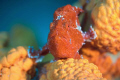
(117, 67)
(104, 61)
(68, 43)
(77, 69)
(106, 18)
(16, 65)
(106, 21)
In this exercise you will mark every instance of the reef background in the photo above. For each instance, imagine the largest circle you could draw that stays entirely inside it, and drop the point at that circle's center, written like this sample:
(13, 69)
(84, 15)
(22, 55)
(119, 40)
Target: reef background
(36, 15)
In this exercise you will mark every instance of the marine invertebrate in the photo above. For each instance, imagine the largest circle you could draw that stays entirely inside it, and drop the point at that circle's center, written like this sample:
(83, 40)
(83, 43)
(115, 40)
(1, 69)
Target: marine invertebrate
(107, 63)
(106, 18)
(16, 65)
(66, 37)
(77, 69)
(97, 57)
(117, 68)
(106, 22)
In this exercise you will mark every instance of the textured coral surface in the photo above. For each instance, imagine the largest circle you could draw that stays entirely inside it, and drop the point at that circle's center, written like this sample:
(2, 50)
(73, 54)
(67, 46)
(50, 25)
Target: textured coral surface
(16, 65)
(65, 43)
(107, 66)
(71, 69)
(117, 67)
(106, 18)
(104, 15)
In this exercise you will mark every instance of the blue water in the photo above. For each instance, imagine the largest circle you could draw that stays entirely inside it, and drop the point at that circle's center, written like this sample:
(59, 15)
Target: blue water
(37, 14)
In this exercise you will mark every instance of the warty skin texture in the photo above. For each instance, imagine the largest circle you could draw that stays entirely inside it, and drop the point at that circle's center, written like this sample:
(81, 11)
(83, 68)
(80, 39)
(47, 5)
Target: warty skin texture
(66, 37)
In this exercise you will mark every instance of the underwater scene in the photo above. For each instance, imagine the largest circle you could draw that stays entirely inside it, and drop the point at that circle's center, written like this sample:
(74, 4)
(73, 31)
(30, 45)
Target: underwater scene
(60, 40)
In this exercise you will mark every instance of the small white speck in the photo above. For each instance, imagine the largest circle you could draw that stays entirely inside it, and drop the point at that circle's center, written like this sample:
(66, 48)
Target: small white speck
(73, 8)
(81, 56)
(70, 41)
(39, 59)
(76, 6)
(83, 43)
(60, 16)
(52, 61)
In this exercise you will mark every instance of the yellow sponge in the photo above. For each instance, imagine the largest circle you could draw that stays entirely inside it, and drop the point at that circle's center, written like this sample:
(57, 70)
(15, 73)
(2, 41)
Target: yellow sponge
(71, 69)
(106, 18)
(16, 64)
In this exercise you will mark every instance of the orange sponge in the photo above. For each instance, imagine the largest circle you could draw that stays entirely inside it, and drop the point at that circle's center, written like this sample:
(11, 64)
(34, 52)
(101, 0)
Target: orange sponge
(69, 69)
(106, 18)
(16, 65)
(99, 58)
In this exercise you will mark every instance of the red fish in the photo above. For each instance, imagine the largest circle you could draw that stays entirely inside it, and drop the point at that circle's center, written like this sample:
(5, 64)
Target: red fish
(66, 36)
